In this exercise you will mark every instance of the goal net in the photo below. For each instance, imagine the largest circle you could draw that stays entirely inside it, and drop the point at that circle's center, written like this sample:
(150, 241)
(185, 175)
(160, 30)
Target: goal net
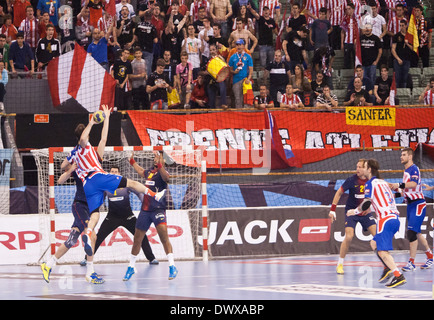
(184, 198)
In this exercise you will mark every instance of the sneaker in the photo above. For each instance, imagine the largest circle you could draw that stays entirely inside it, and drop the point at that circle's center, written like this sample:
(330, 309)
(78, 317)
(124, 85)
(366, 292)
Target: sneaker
(155, 262)
(129, 273)
(340, 269)
(95, 279)
(427, 265)
(387, 273)
(83, 262)
(173, 272)
(87, 246)
(396, 281)
(46, 272)
(409, 267)
(159, 195)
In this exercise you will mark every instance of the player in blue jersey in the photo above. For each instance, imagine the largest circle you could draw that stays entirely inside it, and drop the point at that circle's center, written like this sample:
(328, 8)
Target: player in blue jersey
(81, 214)
(152, 211)
(120, 214)
(355, 186)
(411, 189)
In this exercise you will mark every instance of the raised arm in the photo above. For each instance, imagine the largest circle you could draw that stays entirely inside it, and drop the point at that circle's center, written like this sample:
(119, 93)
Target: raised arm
(104, 133)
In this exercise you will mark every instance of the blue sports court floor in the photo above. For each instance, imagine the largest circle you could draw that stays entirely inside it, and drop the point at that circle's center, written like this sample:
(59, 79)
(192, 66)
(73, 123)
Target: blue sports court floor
(283, 278)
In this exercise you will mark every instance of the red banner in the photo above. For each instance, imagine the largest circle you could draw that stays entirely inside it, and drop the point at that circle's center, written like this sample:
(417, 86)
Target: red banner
(240, 139)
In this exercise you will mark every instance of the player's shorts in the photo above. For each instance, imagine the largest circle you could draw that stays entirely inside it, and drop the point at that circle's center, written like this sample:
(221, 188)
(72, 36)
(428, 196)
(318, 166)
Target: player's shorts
(366, 221)
(384, 237)
(95, 185)
(146, 218)
(416, 211)
(81, 214)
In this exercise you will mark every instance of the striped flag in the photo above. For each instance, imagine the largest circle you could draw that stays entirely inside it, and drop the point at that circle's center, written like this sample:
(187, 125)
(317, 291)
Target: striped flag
(357, 48)
(77, 75)
(412, 35)
(392, 91)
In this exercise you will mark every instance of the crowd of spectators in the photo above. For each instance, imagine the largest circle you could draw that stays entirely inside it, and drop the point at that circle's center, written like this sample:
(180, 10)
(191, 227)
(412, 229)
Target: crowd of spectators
(153, 47)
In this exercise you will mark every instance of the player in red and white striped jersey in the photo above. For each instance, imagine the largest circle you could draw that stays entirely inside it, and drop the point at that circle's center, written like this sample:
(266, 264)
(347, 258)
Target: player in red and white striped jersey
(379, 196)
(290, 100)
(411, 189)
(95, 179)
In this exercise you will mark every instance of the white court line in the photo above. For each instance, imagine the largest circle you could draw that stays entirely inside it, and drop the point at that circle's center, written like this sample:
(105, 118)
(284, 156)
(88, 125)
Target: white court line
(344, 291)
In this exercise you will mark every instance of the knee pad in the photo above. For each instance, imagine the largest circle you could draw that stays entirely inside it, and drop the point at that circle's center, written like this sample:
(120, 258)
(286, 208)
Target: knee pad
(411, 235)
(72, 239)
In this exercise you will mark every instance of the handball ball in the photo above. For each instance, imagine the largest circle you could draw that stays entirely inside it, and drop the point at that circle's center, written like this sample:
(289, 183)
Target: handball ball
(99, 116)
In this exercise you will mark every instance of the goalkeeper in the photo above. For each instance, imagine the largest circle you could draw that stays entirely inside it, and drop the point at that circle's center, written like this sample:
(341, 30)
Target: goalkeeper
(120, 214)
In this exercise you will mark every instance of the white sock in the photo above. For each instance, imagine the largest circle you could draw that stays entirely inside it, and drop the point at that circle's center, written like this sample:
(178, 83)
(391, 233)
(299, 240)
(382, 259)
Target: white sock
(341, 261)
(171, 259)
(51, 262)
(90, 269)
(132, 261)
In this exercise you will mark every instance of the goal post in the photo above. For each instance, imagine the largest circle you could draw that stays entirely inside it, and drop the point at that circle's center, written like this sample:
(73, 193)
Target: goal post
(186, 198)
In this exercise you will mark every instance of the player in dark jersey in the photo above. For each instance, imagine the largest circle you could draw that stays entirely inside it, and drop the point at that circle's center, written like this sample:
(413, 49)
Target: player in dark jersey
(152, 212)
(81, 214)
(120, 214)
(355, 185)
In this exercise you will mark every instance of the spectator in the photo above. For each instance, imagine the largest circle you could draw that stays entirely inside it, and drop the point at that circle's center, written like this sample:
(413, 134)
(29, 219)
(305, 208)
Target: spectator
(348, 25)
(157, 21)
(220, 41)
(157, 86)
(4, 51)
(246, 18)
(290, 100)
(125, 29)
(83, 28)
(220, 11)
(192, 45)
(120, 6)
(213, 87)
(295, 48)
(371, 51)
(318, 85)
(21, 57)
(95, 11)
(241, 66)
(312, 10)
(20, 11)
(273, 5)
(170, 67)
(300, 84)
(121, 72)
(382, 87)
(320, 30)
(424, 32)
(358, 96)
(297, 20)
(266, 27)
(245, 35)
(238, 4)
(47, 49)
(66, 31)
(182, 8)
(427, 96)
(367, 84)
(199, 22)
(336, 8)
(98, 47)
(183, 79)
(3, 82)
(195, 9)
(145, 35)
(172, 37)
(402, 52)
(279, 74)
(322, 62)
(8, 29)
(29, 26)
(44, 20)
(199, 98)
(263, 100)
(377, 22)
(51, 7)
(204, 37)
(138, 81)
(327, 99)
